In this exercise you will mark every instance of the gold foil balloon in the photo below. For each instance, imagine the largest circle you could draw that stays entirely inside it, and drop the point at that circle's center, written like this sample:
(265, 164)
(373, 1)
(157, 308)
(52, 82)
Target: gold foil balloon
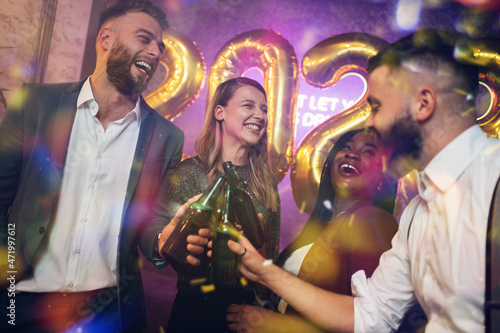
(326, 62)
(485, 54)
(490, 119)
(275, 57)
(323, 65)
(407, 189)
(185, 75)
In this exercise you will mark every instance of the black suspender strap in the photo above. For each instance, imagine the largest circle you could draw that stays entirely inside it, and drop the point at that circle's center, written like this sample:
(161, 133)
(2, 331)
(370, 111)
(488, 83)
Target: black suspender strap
(411, 218)
(492, 290)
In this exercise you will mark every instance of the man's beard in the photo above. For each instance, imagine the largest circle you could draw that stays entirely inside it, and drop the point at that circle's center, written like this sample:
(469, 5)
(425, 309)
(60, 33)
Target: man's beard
(118, 68)
(405, 139)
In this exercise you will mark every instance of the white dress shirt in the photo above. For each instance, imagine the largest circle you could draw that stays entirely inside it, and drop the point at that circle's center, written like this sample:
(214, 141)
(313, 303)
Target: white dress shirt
(441, 260)
(81, 253)
(292, 265)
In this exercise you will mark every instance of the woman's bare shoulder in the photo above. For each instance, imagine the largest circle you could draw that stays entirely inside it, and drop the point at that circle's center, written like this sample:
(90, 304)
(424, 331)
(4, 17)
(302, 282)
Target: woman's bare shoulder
(371, 216)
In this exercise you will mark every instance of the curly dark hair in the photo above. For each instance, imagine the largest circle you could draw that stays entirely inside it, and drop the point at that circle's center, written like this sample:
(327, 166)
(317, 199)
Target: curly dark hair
(121, 7)
(321, 214)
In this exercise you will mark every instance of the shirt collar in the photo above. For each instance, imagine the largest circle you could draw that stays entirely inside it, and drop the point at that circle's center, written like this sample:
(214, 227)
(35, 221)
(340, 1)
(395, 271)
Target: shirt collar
(137, 110)
(447, 166)
(86, 96)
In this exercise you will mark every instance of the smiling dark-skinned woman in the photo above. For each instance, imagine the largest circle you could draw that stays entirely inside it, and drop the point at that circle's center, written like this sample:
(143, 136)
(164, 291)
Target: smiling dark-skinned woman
(350, 227)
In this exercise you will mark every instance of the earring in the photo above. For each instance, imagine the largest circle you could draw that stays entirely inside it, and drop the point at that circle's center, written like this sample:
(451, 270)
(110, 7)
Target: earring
(379, 187)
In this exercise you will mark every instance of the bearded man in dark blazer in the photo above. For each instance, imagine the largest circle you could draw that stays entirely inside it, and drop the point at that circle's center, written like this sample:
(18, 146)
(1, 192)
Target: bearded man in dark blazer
(81, 166)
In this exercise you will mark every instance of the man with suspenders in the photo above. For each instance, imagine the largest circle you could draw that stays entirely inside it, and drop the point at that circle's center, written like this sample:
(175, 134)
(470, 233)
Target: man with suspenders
(423, 107)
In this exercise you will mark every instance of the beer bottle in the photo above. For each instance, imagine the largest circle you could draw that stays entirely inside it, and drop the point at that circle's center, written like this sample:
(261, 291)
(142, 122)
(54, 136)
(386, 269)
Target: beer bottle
(244, 210)
(197, 216)
(224, 261)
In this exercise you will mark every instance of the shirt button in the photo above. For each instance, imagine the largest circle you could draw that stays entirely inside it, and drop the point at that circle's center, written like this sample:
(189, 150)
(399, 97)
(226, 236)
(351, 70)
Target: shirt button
(93, 186)
(71, 285)
(99, 157)
(41, 230)
(77, 251)
(84, 219)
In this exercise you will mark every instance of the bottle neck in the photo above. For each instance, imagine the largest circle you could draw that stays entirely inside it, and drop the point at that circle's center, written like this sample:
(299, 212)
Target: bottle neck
(232, 177)
(210, 195)
(228, 209)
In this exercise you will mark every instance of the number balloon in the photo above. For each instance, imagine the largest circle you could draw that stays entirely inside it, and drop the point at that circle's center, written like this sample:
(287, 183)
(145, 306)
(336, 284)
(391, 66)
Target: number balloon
(275, 57)
(323, 65)
(185, 76)
(486, 54)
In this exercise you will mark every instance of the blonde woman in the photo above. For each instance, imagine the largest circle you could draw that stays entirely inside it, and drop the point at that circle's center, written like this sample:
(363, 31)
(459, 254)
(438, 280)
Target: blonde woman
(235, 129)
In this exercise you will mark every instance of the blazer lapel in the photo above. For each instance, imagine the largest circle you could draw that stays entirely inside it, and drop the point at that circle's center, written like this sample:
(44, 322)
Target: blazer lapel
(145, 135)
(62, 124)
(130, 214)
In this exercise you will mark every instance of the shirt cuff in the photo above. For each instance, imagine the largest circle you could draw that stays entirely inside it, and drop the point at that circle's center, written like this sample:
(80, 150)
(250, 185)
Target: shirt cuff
(262, 302)
(158, 260)
(366, 316)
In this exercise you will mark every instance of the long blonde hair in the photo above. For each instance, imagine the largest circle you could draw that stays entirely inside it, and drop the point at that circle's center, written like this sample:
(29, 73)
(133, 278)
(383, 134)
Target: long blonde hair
(208, 145)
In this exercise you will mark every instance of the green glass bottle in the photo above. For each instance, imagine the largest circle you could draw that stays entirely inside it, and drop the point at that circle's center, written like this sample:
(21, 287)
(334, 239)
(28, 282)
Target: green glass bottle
(245, 214)
(224, 261)
(197, 216)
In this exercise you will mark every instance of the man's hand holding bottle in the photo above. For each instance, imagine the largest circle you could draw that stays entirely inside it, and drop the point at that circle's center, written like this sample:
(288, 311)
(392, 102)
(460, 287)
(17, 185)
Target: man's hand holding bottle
(196, 244)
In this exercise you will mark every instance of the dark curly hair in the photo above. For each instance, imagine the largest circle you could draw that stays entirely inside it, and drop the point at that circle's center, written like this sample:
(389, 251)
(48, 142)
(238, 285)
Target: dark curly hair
(321, 214)
(122, 7)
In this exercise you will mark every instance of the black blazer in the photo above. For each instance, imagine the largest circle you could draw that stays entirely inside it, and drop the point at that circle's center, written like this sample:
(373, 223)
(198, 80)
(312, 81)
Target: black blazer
(34, 138)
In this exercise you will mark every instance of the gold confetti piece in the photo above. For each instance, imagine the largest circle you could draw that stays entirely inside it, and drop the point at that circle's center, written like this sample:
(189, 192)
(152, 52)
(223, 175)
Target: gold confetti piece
(207, 288)
(196, 282)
